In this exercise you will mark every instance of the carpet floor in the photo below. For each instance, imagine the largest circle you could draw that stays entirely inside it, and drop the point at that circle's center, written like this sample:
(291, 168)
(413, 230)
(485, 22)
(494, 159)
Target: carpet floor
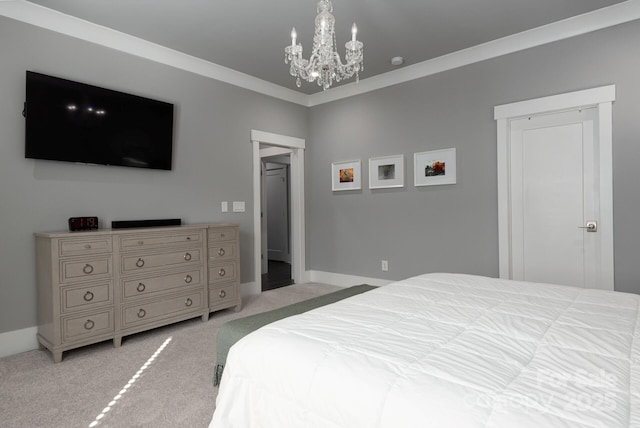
(159, 378)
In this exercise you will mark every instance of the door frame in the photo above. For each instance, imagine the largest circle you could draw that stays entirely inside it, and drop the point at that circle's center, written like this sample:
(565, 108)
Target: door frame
(600, 98)
(267, 144)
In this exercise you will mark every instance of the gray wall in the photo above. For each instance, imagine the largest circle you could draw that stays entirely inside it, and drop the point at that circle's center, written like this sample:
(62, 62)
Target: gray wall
(212, 155)
(454, 228)
(441, 228)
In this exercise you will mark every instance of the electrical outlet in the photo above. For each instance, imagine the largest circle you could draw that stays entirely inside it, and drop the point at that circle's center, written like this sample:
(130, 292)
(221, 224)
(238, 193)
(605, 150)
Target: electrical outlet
(385, 265)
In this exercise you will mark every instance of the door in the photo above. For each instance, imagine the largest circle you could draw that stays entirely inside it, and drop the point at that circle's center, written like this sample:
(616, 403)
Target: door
(277, 188)
(554, 196)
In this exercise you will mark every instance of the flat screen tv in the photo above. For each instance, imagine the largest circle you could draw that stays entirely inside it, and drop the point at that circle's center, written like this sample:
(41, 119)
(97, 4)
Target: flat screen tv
(76, 122)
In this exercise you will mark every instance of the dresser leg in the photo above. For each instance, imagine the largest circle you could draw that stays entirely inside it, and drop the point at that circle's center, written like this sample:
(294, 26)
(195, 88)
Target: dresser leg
(238, 307)
(205, 316)
(117, 341)
(57, 356)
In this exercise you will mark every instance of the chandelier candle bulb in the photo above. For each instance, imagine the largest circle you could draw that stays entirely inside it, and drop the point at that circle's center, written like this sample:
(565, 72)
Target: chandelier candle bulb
(354, 31)
(294, 36)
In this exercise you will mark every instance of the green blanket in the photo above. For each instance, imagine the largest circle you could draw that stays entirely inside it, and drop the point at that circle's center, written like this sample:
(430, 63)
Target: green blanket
(235, 330)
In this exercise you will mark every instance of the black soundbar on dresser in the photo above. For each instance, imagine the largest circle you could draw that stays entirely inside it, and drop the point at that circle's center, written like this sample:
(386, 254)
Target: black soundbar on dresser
(127, 224)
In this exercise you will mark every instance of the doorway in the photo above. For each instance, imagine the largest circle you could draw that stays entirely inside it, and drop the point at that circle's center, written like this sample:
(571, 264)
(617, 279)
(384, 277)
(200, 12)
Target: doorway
(555, 189)
(267, 145)
(276, 214)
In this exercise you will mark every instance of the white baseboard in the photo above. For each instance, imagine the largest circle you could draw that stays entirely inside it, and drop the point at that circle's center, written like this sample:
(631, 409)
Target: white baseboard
(343, 280)
(306, 276)
(250, 289)
(17, 341)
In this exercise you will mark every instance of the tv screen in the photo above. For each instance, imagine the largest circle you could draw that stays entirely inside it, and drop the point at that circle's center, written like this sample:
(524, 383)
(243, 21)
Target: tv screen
(76, 122)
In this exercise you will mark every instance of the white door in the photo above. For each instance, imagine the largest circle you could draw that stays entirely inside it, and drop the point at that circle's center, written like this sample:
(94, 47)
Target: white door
(277, 213)
(554, 196)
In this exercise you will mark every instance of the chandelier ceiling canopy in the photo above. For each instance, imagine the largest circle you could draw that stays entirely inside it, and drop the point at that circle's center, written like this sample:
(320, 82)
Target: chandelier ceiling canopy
(324, 65)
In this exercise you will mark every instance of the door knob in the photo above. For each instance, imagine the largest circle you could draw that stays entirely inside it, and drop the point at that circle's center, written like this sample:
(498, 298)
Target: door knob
(591, 226)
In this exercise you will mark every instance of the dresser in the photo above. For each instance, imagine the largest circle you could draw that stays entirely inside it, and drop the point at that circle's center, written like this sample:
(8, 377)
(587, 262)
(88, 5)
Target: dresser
(106, 284)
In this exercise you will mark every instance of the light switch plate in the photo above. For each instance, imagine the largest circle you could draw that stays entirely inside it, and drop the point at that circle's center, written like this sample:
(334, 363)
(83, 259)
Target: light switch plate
(238, 206)
(224, 206)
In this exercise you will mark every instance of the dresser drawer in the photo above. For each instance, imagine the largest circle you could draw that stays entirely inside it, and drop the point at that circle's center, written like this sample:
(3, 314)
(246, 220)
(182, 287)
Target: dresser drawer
(222, 294)
(148, 285)
(133, 315)
(220, 272)
(222, 234)
(223, 251)
(73, 297)
(85, 269)
(140, 241)
(142, 262)
(86, 326)
(84, 246)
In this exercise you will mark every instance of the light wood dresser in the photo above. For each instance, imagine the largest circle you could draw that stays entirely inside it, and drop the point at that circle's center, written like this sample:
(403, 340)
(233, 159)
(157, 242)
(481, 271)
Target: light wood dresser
(106, 284)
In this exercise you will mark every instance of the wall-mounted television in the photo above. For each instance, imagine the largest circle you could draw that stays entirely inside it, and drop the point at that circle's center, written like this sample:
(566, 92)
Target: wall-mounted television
(75, 122)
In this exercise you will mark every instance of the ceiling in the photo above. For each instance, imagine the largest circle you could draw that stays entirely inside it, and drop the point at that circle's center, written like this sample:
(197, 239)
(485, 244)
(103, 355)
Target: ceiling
(249, 36)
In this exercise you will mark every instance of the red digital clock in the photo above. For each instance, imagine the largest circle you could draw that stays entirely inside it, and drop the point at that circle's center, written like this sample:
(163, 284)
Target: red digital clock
(83, 223)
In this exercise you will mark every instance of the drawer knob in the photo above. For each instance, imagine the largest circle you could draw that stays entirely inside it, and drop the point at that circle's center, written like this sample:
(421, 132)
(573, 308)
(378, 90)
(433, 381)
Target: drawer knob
(222, 294)
(188, 238)
(87, 269)
(89, 325)
(221, 252)
(222, 235)
(141, 287)
(88, 246)
(140, 242)
(140, 263)
(222, 272)
(142, 313)
(188, 302)
(88, 296)
(187, 256)
(188, 279)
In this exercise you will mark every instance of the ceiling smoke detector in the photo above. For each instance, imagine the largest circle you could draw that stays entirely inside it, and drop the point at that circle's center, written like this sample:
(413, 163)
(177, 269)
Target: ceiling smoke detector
(397, 60)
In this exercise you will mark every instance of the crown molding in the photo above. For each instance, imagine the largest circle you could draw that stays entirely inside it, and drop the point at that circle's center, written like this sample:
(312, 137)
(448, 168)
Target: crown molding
(43, 17)
(50, 19)
(556, 31)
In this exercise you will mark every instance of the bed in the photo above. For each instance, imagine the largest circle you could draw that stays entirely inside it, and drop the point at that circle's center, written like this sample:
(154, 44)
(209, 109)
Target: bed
(442, 350)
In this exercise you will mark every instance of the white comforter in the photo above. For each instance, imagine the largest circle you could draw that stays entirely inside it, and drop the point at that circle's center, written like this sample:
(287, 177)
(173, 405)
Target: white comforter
(442, 350)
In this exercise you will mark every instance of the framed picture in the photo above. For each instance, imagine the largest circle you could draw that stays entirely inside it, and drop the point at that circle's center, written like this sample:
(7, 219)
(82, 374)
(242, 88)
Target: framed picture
(346, 175)
(435, 167)
(386, 172)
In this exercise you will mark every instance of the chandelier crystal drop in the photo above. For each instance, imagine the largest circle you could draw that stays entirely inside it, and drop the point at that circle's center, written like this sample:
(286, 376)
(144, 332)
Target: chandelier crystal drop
(325, 64)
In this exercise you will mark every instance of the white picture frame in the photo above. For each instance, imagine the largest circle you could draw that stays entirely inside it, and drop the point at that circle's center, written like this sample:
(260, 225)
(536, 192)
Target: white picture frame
(346, 175)
(386, 172)
(434, 167)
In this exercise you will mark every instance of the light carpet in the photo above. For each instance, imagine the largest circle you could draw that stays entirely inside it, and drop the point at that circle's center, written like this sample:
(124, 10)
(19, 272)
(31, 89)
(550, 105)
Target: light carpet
(89, 387)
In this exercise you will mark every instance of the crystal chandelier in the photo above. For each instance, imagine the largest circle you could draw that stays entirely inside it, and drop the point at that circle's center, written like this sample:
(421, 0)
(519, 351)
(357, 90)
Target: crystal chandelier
(324, 64)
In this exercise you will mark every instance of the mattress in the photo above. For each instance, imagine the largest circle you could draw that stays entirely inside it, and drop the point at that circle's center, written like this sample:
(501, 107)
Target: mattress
(442, 350)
